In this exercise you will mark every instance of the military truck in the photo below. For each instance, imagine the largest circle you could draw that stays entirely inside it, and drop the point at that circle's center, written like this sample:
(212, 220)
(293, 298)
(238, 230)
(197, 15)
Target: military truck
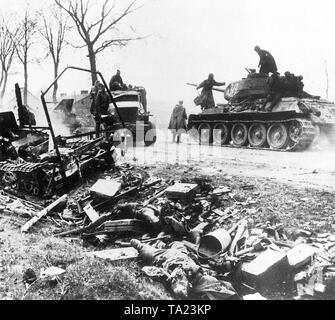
(132, 106)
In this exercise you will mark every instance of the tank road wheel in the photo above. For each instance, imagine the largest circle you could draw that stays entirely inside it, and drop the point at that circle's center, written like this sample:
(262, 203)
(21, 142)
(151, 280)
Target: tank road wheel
(221, 134)
(295, 131)
(277, 136)
(257, 135)
(205, 134)
(239, 134)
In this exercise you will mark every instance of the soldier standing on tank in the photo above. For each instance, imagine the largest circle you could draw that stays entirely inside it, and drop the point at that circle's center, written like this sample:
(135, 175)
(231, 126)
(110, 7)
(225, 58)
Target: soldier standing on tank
(267, 63)
(207, 94)
(102, 101)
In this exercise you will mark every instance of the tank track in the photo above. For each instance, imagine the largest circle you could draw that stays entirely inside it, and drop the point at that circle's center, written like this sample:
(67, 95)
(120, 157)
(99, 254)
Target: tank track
(20, 166)
(24, 176)
(306, 137)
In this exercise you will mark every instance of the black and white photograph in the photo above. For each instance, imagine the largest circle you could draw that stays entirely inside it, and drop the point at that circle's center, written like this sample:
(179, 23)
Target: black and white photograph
(179, 151)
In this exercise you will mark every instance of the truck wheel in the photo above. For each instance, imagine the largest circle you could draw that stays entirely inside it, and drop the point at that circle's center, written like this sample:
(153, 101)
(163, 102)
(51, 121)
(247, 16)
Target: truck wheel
(152, 137)
(149, 143)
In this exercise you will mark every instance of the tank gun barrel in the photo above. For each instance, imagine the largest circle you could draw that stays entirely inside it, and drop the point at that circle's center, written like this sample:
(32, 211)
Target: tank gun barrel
(215, 89)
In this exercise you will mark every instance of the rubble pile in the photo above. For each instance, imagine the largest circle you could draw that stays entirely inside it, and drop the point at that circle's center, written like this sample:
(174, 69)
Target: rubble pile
(200, 240)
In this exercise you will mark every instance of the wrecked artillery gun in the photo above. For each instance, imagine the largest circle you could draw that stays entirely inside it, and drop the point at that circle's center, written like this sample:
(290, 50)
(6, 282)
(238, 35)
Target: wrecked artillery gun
(27, 166)
(293, 124)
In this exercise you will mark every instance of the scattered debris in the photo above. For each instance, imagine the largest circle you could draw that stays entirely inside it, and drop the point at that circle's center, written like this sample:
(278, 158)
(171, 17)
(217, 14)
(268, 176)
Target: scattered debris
(199, 240)
(91, 213)
(51, 273)
(105, 188)
(300, 256)
(116, 254)
(214, 243)
(255, 296)
(29, 276)
(43, 213)
(182, 191)
(269, 268)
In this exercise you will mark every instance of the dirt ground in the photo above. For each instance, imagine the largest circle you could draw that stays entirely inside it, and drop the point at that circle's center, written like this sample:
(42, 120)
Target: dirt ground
(296, 189)
(312, 168)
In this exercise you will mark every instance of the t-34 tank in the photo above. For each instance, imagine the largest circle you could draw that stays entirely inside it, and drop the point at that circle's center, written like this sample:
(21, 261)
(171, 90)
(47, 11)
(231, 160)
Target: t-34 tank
(295, 121)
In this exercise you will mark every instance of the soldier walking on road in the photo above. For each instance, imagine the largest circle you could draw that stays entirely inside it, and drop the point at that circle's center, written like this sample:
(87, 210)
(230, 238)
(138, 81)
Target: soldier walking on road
(178, 121)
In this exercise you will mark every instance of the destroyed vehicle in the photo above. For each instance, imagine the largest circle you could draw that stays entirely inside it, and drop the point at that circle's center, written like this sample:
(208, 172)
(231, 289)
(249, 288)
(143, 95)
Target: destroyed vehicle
(24, 135)
(295, 122)
(46, 174)
(27, 165)
(132, 106)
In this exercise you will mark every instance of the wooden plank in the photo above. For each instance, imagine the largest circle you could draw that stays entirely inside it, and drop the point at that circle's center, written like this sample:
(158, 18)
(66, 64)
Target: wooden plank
(42, 213)
(91, 213)
(115, 254)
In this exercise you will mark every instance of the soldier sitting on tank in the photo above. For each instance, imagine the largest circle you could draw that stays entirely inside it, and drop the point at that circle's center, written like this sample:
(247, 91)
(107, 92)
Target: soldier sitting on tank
(101, 107)
(116, 83)
(293, 85)
(207, 94)
(267, 63)
(300, 89)
(275, 92)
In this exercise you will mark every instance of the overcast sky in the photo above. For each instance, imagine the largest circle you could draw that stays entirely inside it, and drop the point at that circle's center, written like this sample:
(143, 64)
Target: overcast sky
(191, 38)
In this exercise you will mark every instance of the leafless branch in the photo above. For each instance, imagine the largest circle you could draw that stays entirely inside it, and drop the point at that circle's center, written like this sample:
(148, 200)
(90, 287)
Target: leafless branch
(9, 38)
(116, 42)
(93, 31)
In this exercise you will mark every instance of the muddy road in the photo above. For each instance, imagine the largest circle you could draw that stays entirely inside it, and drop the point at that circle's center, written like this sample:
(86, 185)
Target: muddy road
(312, 168)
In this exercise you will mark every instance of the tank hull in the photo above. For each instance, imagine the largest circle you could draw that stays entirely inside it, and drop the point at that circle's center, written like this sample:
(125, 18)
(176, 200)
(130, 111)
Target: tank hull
(293, 125)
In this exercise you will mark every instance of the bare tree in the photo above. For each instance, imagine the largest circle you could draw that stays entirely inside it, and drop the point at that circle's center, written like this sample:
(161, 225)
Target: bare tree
(28, 30)
(101, 32)
(54, 31)
(8, 42)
